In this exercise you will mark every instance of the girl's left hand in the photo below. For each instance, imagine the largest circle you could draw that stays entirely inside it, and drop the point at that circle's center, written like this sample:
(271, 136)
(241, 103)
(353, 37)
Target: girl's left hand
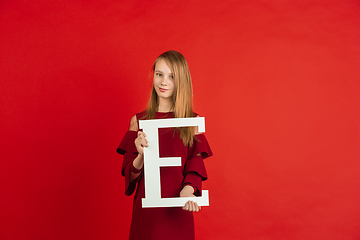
(191, 206)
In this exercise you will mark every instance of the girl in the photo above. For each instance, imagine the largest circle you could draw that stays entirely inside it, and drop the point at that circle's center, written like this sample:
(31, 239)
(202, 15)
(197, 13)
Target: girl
(171, 97)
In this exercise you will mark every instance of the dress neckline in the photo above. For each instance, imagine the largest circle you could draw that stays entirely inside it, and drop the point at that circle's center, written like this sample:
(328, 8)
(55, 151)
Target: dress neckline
(164, 112)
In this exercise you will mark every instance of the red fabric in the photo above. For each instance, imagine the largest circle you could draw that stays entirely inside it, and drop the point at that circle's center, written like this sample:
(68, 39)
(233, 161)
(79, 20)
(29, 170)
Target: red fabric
(193, 179)
(134, 169)
(165, 223)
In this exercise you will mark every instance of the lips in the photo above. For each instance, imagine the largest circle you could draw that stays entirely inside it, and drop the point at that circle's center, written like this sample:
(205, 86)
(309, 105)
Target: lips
(163, 89)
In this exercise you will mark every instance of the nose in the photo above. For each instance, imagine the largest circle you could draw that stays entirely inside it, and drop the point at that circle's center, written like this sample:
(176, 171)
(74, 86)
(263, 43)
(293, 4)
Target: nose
(164, 81)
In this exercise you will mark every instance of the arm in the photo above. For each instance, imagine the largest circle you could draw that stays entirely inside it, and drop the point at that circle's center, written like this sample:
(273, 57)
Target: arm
(191, 206)
(140, 143)
(189, 188)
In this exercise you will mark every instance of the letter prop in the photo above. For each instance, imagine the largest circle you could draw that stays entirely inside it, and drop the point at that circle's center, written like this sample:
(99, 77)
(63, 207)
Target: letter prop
(153, 162)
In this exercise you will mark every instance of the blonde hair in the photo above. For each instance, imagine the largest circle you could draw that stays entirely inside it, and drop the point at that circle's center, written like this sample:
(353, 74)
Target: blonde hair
(182, 98)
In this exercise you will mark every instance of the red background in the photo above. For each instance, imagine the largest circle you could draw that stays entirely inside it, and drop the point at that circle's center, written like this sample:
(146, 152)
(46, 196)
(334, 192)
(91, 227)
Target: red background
(277, 81)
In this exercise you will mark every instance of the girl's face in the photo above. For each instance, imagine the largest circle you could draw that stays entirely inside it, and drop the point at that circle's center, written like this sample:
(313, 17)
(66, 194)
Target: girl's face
(164, 83)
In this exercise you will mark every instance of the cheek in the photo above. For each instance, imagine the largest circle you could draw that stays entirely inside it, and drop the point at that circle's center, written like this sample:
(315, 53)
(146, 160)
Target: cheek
(155, 82)
(173, 87)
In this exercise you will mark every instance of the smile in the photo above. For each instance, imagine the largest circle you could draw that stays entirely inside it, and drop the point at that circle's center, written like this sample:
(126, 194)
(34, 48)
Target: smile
(163, 89)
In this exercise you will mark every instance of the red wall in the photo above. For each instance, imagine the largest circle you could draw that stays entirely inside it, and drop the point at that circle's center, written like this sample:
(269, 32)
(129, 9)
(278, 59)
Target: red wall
(278, 83)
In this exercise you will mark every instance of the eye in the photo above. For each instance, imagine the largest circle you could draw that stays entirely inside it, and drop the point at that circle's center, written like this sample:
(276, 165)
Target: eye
(171, 77)
(159, 74)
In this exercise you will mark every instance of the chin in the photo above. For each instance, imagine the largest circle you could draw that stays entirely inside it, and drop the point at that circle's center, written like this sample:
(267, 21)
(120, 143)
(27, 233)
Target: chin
(164, 96)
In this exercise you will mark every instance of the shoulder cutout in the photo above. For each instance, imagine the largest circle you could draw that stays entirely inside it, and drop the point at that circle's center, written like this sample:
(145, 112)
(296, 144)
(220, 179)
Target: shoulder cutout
(133, 124)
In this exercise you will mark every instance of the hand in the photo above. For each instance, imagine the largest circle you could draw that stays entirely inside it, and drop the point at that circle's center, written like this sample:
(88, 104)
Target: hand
(141, 142)
(191, 206)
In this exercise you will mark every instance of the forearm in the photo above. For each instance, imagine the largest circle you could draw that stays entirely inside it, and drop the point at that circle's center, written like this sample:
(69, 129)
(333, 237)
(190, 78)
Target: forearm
(135, 169)
(191, 206)
(138, 162)
(187, 191)
(195, 180)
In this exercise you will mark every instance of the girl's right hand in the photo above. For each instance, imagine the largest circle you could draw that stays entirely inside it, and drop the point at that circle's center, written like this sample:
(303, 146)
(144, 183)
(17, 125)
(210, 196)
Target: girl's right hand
(141, 142)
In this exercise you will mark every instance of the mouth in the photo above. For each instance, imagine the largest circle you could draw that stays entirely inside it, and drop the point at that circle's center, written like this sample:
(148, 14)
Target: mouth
(163, 89)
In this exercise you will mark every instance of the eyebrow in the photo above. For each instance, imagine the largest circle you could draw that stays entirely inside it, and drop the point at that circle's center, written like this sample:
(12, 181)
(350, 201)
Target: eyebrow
(161, 72)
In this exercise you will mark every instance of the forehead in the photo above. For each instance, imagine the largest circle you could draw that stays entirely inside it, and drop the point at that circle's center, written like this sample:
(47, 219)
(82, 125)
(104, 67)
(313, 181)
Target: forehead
(162, 65)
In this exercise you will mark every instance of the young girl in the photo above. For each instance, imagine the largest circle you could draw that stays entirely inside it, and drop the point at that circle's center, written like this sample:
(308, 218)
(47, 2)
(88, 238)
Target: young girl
(171, 97)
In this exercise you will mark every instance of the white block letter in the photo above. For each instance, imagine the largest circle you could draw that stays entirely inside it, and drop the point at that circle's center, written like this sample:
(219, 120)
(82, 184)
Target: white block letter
(153, 162)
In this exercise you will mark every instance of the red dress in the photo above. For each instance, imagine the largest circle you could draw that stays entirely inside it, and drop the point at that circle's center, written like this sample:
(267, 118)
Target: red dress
(172, 222)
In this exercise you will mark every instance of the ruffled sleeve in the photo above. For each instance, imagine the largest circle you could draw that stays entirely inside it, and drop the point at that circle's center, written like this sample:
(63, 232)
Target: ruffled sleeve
(128, 149)
(195, 172)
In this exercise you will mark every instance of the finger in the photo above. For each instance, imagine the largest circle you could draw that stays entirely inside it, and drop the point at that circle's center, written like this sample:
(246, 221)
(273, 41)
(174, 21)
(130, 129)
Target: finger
(197, 208)
(186, 207)
(144, 144)
(142, 134)
(143, 139)
(191, 207)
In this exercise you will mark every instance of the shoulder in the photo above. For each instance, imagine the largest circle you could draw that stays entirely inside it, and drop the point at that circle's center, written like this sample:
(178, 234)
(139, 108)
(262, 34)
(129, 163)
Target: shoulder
(133, 126)
(134, 121)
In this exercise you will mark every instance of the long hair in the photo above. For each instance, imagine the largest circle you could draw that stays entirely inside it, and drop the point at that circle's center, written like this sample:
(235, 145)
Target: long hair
(182, 98)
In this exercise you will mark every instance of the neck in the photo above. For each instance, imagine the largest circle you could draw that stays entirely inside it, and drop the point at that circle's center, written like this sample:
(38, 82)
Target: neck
(165, 105)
